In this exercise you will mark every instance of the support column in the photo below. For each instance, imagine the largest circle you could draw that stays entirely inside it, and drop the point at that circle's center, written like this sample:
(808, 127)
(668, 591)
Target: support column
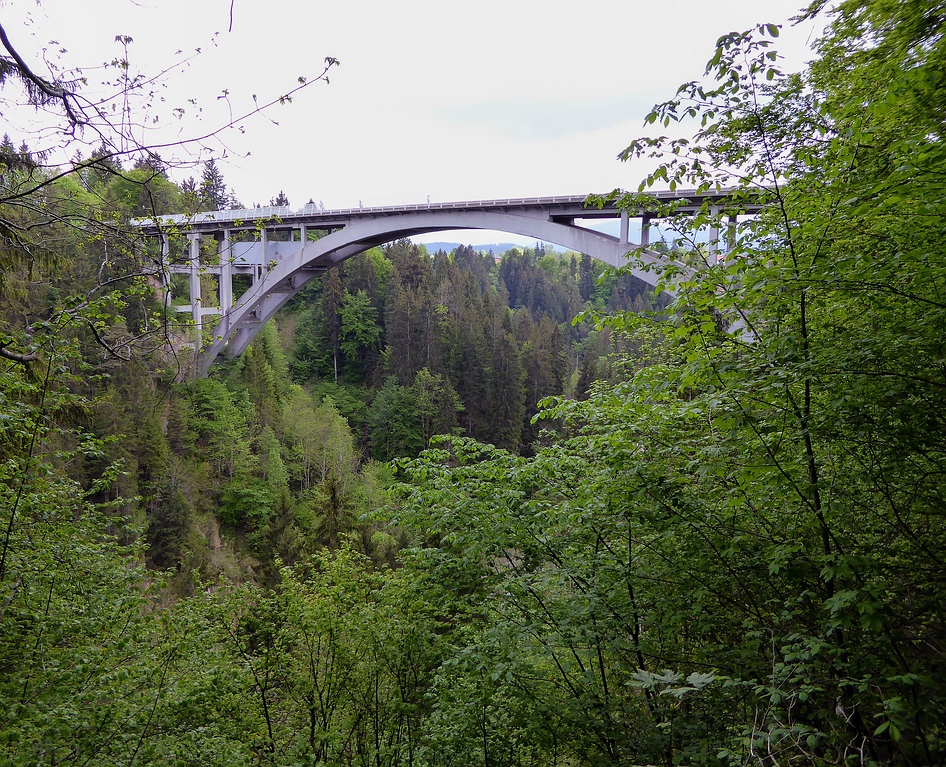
(645, 231)
(713, 250)
(166, 270)
(731, 234)
(625, 224)
(226, 272)
(194, 265)
(264, 245)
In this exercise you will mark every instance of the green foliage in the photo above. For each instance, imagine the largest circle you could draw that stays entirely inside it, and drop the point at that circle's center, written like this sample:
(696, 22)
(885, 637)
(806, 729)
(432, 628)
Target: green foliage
(507, 390)
(359, 332)
(170, 516)
(436, 402)
(143, 192)
(311, 355)
(400, 311)
(92, 671)
(340, 658)
(265, 372)
(526, 277)
(351, 401)
(219, 418)
(732, 555)
(245, 501)
(394, 428)
(320, 440)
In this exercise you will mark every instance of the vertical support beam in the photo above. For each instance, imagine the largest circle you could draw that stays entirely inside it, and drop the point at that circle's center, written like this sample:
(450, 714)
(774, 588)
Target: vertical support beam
(303, 234)
(226, 272)
(625, 225)
(259, 270)
(264, 245)
(194, 264)
(645, 231)
(731, 234)
(166, 269)
(713, 250)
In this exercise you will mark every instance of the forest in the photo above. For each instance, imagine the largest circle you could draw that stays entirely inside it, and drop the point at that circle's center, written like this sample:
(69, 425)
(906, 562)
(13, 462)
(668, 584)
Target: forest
(507, 510)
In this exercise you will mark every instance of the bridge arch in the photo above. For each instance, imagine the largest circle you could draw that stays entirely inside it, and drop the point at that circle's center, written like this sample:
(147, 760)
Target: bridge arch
(240, 324)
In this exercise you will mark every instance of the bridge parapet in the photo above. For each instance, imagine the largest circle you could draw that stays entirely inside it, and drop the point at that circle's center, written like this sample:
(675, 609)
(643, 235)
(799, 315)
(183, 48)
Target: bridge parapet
(315, 215)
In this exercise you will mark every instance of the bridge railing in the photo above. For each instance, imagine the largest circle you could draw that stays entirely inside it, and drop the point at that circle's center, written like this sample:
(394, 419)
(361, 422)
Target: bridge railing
(286, 214)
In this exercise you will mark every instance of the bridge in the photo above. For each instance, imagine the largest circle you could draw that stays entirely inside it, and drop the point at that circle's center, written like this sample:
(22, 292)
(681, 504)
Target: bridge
(274, 246)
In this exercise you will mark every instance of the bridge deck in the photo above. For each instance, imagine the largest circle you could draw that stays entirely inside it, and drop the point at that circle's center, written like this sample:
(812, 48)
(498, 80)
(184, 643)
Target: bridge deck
(561, 208)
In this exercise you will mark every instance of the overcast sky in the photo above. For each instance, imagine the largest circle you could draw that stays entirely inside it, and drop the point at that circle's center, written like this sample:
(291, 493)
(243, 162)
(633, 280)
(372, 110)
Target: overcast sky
(455, 101)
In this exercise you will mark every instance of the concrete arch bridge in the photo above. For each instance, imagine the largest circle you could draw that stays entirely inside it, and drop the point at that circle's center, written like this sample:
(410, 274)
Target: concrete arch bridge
(272, 246)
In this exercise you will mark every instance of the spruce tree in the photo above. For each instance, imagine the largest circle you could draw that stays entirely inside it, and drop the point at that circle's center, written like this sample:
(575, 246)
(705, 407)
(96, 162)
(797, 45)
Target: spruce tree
(213, 190)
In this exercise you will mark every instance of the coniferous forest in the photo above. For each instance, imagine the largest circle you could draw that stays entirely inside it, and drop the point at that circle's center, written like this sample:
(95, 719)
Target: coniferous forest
(506, 510)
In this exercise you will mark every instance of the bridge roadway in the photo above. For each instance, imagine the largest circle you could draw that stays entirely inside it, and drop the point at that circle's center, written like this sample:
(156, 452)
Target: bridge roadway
(272, 245)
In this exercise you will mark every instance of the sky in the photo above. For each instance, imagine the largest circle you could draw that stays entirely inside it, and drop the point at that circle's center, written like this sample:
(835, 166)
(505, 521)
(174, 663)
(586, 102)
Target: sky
(431, 99)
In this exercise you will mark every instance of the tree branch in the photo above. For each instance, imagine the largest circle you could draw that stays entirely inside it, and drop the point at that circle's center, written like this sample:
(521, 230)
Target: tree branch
(53, 92)
(15, 356)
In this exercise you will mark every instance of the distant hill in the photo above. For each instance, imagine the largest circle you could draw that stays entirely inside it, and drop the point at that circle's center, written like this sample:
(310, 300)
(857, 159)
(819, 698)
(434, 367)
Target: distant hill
(497, 248)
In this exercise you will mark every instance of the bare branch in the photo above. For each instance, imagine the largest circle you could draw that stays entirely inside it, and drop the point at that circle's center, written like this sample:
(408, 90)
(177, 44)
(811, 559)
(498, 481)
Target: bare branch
(137, 148)
(53, 92)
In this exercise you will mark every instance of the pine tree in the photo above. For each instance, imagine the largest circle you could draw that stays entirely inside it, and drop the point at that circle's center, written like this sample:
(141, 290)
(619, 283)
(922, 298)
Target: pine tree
(331, 314)
(586, 277)
(507, 390)
(213, 190)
